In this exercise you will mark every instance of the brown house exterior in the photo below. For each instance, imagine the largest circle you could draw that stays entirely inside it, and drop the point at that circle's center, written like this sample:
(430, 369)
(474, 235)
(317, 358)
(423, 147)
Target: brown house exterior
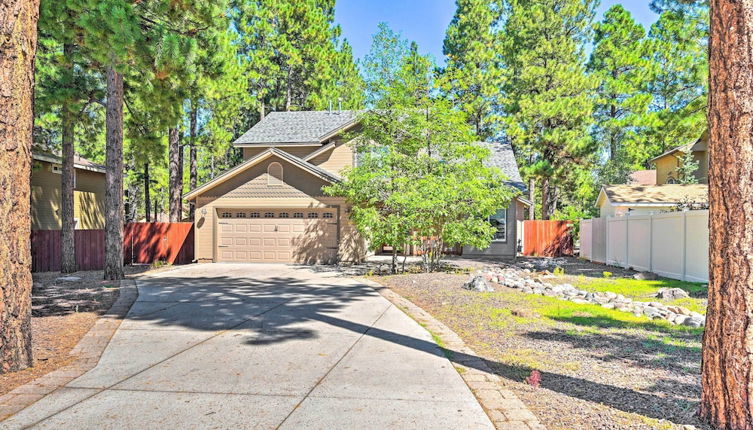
(89, 193)
(271, 207)
(667, 163)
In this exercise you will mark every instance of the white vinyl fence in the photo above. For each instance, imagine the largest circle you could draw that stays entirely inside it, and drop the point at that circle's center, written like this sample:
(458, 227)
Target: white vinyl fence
(674, 244)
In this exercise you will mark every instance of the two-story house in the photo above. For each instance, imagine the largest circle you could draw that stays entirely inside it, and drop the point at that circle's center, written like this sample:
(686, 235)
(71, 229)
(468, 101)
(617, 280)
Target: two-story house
(271, 208)
(667, 192)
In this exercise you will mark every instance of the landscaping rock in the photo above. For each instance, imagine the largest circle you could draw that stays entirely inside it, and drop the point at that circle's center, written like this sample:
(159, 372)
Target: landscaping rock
(672, 294)
(478, 284)
(645, 276)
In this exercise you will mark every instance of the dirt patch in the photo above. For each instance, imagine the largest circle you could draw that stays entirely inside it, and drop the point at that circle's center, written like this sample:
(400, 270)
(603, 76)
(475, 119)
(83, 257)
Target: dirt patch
(62, 313)
(596, 372)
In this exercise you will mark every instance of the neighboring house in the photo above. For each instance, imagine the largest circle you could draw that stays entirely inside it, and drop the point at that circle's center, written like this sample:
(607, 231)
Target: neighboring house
(617, 200)
(667, 163)
(89, 193)
(271, 207)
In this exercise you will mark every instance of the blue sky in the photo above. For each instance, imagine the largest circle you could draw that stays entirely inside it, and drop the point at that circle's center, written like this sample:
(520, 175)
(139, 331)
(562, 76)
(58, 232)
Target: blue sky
(425, 21)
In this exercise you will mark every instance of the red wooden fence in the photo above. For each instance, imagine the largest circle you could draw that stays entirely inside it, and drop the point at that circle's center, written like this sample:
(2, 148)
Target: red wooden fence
(147, 242)
(45, 250)
(547, 238)
(143, 243)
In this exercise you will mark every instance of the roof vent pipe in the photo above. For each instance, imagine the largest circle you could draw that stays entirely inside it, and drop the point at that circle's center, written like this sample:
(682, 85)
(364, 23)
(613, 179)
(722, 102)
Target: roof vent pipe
(339, 104)
(330, 106)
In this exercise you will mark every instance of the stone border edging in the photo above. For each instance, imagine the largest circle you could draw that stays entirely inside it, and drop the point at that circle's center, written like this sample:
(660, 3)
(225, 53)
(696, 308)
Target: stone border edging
(88, 349)
(502, 406)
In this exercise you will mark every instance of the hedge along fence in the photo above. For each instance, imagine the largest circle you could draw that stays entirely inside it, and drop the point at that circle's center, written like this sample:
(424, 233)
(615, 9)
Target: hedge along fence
(674, 244)
(143, 243)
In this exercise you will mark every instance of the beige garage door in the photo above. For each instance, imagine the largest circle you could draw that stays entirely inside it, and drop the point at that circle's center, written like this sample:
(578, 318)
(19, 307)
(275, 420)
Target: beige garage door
(277, 235)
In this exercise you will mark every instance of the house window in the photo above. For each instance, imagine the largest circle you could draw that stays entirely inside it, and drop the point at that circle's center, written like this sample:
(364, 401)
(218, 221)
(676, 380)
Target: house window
(284, 215)
(499, 222)
(313, 215)
(240, 215)
(227, 215)
(274, 174)
(254, 215)
(327, 215)
(298, 215)
(269, 214)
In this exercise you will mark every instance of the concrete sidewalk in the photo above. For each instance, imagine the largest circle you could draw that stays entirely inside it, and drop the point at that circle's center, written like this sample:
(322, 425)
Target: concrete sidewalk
(262, 346)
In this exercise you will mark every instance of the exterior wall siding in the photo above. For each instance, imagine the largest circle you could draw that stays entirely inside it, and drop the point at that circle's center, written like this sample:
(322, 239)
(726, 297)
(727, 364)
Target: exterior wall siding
(666, 167)
(507, 248)
(336, 159)
(89, 195)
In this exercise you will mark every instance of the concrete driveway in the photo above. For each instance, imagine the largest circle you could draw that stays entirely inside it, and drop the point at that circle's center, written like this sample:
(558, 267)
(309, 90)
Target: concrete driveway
(262, 346)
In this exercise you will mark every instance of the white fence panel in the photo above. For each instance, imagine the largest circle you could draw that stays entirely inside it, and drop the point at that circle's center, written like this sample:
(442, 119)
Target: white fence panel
(599, 240)
(697, 246)
(639, 242)
(586, 235)
(673, 245)
(667, 245)
(616, 241)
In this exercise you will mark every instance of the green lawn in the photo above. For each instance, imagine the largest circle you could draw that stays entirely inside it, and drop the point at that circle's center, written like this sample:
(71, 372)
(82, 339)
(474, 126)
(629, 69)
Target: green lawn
(642, 290)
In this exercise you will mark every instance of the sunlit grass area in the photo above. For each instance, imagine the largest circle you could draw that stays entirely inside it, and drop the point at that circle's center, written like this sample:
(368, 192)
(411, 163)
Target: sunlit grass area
(642, 290)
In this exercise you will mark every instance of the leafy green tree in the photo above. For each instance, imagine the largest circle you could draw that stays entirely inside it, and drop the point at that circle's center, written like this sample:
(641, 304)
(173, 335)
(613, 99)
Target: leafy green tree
(548, 108)
(619, 61)
(686, 171)
(473, 77)
(420, 179)
(382, 64)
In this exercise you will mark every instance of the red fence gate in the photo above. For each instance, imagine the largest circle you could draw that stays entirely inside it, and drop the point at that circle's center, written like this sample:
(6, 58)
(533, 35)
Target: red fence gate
(547, 238)
(147, 242)
(142, 243)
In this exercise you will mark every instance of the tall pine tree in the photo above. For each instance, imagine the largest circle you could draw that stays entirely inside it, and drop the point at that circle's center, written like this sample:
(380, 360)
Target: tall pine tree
(549, 102)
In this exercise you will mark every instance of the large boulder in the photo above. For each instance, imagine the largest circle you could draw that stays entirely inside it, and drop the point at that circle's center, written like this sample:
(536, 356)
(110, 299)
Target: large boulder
(672, 293)
(478, 283)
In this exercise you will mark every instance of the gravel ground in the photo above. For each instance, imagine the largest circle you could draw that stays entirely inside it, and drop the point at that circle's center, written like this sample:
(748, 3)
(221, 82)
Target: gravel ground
(62, 313)
(592, 377)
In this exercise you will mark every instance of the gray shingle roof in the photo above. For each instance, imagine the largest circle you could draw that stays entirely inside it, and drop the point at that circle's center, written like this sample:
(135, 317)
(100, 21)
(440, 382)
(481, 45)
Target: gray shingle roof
(296, 127)
(503, 157)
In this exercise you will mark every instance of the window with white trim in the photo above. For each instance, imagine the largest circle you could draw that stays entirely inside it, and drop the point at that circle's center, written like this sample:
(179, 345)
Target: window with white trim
(226, 215)
(255, 215)
(284, 215)
(499, 222)
(298, 215)
(240, 214)
(327, 215)
(269, 214)
(313, 215)
(274, 174)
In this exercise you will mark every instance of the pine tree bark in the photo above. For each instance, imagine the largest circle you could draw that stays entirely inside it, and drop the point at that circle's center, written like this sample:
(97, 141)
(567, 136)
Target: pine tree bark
(147, 202)
(193, 172)
(67, 181)
(18, 32)
(727, 380)
(545, 199)
(532, 198)
(114, 176)
(176, 178)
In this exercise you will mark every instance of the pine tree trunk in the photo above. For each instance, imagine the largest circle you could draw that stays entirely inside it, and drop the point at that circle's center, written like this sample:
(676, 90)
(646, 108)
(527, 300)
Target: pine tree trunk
(727, 377)
(114, 176)
(18, 32)
(147, 202)
(532, 198)
(193, 171)
(545, 199)
(68, 178)
(176, 182)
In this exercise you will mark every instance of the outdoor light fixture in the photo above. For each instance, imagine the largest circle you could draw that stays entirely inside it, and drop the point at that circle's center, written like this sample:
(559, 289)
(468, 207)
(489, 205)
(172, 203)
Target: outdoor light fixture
(203, 211)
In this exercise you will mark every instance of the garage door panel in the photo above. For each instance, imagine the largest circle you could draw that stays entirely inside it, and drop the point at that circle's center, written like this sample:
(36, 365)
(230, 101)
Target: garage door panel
(279, 238)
